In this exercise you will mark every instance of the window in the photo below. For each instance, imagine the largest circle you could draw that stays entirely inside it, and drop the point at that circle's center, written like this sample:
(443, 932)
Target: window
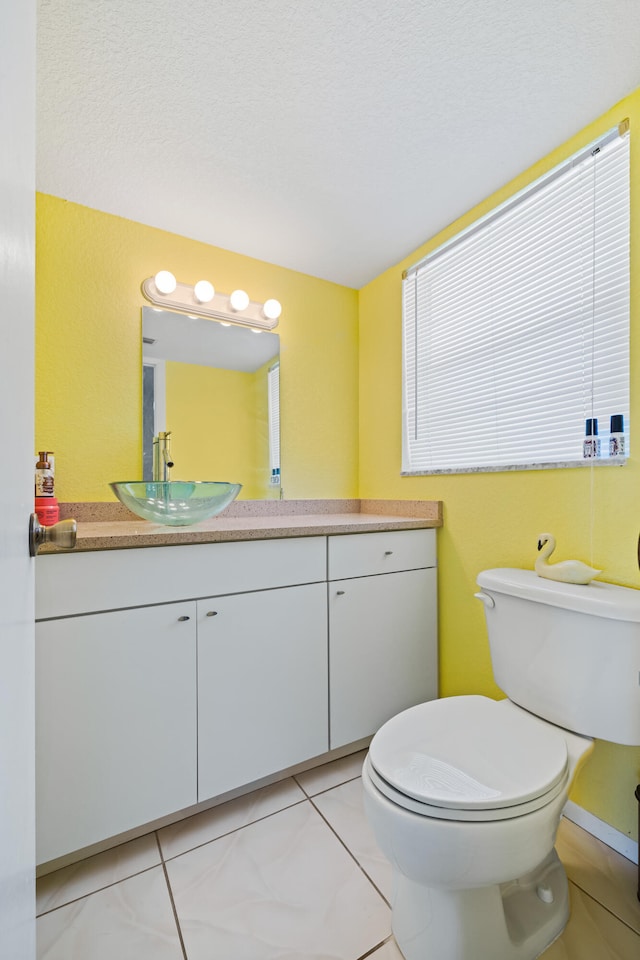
(516, 331)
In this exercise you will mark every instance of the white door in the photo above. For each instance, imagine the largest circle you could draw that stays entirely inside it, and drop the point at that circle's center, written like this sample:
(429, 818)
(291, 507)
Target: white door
(17, 184)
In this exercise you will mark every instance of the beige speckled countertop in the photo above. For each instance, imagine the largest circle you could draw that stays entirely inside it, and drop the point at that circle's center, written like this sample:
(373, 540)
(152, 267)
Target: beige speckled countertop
(110, 526)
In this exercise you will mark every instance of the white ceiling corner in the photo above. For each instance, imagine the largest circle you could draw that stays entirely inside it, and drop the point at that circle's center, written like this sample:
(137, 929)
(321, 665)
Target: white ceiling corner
(332, 138)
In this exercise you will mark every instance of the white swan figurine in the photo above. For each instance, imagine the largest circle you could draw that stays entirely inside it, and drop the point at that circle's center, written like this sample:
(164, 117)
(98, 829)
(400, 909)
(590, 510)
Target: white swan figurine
(567, 571)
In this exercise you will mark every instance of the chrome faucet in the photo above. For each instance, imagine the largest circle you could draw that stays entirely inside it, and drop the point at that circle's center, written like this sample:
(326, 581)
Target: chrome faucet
(162, 461)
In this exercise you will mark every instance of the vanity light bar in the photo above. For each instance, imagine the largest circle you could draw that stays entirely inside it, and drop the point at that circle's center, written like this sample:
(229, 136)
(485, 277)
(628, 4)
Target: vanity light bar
(163, 290)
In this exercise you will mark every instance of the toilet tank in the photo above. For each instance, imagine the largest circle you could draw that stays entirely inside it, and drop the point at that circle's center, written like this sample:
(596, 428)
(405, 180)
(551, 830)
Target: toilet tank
(568, 653)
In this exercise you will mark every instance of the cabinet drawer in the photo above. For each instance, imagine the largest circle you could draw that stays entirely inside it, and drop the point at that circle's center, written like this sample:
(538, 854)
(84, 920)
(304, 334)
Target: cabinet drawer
(72, 583)
(366, 554)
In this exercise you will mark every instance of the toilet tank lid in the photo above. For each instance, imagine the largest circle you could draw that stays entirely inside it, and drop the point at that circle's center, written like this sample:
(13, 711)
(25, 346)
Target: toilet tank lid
(595, 599)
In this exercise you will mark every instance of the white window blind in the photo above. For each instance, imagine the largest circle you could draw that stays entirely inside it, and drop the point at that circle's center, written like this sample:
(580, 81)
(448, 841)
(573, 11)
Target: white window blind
(273, 385)
(517, 330)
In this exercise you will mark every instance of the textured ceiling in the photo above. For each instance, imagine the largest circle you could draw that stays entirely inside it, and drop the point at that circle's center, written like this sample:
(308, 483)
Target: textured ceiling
(332, 137)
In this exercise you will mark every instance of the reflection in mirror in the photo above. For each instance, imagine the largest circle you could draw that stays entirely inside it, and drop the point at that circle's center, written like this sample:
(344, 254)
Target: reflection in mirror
(216, 388)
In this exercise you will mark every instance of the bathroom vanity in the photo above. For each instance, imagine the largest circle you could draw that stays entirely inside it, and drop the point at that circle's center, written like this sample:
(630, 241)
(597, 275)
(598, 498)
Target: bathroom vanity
(170, 676)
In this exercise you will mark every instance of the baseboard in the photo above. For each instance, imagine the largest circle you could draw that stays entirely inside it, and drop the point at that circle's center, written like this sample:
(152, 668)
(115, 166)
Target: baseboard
(603, 831)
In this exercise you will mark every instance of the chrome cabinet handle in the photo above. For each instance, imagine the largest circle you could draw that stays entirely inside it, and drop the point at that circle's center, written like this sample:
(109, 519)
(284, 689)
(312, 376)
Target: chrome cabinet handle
(182, 619)
(339, 593)
(212, 613)
(388, 553)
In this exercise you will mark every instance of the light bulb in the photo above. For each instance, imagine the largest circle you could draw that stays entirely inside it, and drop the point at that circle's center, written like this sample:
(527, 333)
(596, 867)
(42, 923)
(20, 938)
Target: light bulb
(271, 309)
(239, 300)
(203, 291)
(165, 282)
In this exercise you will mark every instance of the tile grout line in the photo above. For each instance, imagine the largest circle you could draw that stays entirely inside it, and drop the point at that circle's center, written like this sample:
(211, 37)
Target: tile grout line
(382, 943)
(230, 832)
(334, 786)
(106, 886)
(175, 912)
(156, 834)
(300, 786)
(352, 855)
(611, 912)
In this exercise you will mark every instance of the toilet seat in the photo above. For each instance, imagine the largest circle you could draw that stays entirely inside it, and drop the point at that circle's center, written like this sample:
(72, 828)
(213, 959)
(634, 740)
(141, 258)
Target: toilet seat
(469, 758)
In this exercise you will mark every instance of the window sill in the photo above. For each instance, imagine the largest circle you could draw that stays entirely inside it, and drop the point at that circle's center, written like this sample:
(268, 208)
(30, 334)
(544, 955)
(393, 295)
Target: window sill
(512, 468)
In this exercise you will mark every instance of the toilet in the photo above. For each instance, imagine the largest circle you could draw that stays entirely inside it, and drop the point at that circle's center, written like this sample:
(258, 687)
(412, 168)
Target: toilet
(464, 794)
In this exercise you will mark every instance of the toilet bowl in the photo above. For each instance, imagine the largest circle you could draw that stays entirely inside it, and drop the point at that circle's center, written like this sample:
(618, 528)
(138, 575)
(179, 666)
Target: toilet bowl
(456, 843)
(464, 794)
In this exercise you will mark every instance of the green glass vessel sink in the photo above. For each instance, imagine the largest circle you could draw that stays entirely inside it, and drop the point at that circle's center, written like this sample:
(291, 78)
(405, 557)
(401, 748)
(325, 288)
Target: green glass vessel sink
(176, 503)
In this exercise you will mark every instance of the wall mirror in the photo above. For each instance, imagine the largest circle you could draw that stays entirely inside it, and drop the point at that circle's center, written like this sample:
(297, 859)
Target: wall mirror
(216, 388)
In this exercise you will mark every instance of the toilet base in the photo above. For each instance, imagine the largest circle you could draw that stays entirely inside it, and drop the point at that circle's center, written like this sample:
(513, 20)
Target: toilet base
(510, 921)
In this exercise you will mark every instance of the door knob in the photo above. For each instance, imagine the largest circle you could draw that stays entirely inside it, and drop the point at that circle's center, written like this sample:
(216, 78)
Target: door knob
(62, 534)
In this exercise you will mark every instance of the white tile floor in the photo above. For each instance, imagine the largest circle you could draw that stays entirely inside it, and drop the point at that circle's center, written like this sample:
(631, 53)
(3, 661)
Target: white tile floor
(290, 872)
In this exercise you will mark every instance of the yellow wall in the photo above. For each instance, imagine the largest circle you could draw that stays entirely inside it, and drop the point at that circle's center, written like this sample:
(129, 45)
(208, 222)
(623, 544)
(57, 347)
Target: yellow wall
(493, 519)
(88, 351)
(212, 416)
(219, 422)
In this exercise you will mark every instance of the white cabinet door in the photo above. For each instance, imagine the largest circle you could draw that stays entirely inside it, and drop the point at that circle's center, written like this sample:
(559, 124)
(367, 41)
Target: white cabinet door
(115, 723)
(382, 650)
(262, 684)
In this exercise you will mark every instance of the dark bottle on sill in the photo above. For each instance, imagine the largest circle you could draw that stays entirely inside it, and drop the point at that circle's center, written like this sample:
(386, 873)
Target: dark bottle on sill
(616, 436)
(591, 444)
